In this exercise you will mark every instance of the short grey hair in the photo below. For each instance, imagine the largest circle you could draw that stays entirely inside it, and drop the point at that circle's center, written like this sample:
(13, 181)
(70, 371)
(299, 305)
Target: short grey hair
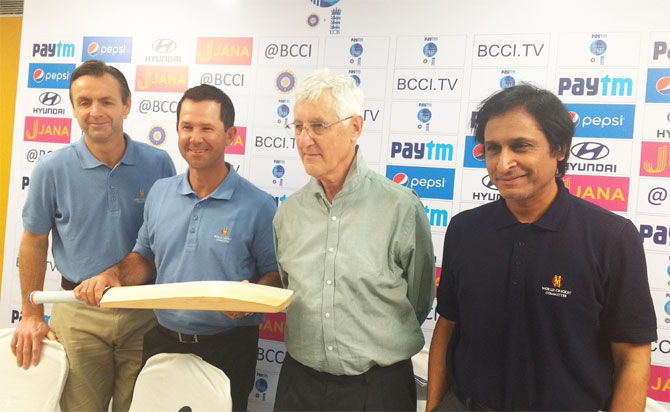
(348, 99)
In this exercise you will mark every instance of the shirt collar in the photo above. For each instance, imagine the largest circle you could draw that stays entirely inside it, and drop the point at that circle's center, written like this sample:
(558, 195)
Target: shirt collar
(88, 161)
(357, 170)
(223, 191)
(550, 220)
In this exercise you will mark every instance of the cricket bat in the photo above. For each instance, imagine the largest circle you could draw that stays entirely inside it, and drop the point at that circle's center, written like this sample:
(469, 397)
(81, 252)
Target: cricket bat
(202, 295)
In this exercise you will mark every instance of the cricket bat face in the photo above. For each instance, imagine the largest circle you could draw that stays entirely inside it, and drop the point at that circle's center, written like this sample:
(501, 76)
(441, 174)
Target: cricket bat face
(204, 295)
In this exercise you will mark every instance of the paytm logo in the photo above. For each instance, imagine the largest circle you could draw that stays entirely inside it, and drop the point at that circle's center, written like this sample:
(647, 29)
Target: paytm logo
(49, 75)
(474, 154)
(107, 49)
(593, 86)
(421, 151)
(437, 217)
(426, 182)
(603, 120)
(658, 86)
(53, 49)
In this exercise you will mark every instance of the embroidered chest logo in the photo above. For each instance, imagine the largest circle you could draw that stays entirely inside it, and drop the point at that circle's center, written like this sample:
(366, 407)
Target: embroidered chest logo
(222, 236)
(556, 281)
(558, 290)
(141, 197)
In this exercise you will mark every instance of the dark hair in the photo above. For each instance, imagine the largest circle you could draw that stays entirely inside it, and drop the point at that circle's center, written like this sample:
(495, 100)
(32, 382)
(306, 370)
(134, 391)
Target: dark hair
(207, 92)
(550, 114)
(96, 68)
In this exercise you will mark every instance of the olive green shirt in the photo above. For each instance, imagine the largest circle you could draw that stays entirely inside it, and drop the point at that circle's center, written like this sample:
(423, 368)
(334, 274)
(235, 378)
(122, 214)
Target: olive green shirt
(362, 270)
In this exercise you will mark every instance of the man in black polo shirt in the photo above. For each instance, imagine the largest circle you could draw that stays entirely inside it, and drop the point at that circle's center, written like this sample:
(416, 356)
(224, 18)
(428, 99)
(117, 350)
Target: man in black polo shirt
(544, 301)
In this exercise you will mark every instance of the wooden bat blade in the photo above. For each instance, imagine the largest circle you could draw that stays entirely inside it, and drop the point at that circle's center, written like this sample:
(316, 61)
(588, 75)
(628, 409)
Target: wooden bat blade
(203, 295)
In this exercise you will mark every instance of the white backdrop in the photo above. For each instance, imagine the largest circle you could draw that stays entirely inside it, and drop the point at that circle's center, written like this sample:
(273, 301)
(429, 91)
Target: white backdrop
(423, 66)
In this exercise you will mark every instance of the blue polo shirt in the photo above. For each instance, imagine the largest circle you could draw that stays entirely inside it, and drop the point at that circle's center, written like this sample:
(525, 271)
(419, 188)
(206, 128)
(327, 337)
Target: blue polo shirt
(92, 211)
(225, 236)
(537, 305)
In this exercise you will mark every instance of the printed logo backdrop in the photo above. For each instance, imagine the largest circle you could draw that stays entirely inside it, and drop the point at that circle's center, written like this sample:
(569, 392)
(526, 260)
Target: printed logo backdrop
(424, 66)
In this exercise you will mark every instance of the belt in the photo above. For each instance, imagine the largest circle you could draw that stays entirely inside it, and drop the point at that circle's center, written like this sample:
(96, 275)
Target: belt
(186, 338)
(67, 285)
(363, 378)
(470, 404)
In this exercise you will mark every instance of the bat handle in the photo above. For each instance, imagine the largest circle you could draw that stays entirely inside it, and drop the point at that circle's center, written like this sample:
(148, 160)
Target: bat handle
(38, 297)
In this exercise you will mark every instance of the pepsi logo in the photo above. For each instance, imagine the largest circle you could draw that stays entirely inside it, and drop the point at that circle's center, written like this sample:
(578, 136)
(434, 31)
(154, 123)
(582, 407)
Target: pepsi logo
(478, 152)
(401, 179)
(38, 75)
(575, 117)
(93, 49)
(663, 86)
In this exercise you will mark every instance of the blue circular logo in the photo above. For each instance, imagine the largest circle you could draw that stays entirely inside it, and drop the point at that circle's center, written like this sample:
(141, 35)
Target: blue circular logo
(507, 82)
(325, 3)
(312, 20)
(157, 135)
(285, 81)
(669, 270)
(261, 385)
(430, 49)
(356, 79)
(667, 307)
(356, 49)
(278, 171)
(283, 110)
(424, 115)
(598, 47)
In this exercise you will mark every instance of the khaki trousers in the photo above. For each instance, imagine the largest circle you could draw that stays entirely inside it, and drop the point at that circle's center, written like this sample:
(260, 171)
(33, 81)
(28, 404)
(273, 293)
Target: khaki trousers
(104, 349)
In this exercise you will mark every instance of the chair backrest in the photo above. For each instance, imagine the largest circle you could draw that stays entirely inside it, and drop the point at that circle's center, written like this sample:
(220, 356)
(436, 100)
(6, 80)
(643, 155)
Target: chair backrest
(653, 406)
(39, 387)
(180, 382)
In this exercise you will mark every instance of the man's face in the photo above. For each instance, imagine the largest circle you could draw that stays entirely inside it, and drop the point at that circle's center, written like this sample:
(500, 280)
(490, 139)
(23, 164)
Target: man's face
(325, 157)
(519, 159)
(202, 138)
(97, 105)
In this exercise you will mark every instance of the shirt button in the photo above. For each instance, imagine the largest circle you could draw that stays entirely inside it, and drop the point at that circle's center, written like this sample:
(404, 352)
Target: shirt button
(192, 230)
(195, 217)
(521, 243)
(327, 314)
(334, 218)
(330, 347)
(330, 249)
(329, 282)
(515, 282)
(517, 263)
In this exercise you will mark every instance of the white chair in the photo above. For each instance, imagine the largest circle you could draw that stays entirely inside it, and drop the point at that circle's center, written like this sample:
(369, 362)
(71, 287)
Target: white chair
(38, 388)
(653, 406)
(420, 364)
(177, 381)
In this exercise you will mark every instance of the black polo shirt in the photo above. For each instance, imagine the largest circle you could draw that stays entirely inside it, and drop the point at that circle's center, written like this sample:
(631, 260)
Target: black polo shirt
(537, 305)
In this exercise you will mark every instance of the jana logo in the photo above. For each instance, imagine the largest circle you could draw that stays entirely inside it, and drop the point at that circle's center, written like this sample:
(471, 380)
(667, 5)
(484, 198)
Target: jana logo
(324, 3)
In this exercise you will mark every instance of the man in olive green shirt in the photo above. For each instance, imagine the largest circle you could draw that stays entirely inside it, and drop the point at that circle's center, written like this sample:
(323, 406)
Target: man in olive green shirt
(356, 250)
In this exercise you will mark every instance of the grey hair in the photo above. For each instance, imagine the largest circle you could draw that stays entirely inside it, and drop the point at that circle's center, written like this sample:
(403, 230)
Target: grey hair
(347, 98)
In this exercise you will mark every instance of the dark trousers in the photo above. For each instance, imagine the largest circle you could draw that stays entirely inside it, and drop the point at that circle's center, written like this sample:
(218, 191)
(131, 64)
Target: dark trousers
(234, 352)
(389, 388)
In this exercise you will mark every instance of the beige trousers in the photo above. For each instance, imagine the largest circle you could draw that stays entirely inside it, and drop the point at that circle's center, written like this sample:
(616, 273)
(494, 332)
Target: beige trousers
(104, 349)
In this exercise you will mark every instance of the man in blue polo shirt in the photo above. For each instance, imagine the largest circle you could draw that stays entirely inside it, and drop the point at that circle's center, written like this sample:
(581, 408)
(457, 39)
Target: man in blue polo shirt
(90, 195)
(206, 224)
(544, 301)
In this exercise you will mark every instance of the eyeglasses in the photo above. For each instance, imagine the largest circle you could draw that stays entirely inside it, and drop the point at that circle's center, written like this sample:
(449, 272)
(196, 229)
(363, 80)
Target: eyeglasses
(313, 129)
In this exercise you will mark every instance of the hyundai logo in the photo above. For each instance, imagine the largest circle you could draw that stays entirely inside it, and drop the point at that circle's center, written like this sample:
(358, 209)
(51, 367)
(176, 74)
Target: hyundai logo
(164, 45)
(49, 98)
(590, 151)
(486, 181)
